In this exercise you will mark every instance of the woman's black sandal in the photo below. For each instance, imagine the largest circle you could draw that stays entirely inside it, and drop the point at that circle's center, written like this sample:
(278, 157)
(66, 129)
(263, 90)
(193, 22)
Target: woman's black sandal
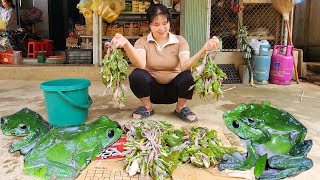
(143, 112)
(184, 113)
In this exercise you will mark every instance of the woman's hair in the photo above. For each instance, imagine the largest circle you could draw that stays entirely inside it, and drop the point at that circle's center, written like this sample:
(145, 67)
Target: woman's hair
(9, 1)
(157, 9)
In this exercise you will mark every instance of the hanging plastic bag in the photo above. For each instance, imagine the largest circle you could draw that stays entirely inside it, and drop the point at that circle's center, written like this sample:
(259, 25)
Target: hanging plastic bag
(84, 8)
(88, 16)
(84, 5)
(108, 9)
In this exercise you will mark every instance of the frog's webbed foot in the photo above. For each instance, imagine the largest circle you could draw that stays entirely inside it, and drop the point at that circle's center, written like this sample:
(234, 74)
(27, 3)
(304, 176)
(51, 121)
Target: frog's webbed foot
(233, 161)
(23, 147)
(301, 149)
(26, 145)
(236, 161)
(283, 166)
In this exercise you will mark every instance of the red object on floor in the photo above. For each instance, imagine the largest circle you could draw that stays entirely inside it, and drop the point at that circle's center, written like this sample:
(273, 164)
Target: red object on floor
(113, 151)
(6, 57)
(33, 47)
(46, 46)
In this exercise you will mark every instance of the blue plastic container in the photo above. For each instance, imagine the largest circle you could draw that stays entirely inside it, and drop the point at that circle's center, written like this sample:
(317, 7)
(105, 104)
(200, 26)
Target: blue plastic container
(261, 65)
(67, 101)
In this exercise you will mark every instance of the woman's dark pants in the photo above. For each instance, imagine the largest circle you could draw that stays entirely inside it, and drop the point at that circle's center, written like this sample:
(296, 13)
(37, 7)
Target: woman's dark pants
(143, 84)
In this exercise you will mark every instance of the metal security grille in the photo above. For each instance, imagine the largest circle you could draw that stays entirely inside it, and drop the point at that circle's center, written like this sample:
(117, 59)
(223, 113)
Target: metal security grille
(261, 19)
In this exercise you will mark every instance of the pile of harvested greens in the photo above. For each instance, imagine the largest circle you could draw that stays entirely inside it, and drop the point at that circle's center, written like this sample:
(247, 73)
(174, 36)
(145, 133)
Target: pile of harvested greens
(114, 71)
(157, 148)
(208, 77)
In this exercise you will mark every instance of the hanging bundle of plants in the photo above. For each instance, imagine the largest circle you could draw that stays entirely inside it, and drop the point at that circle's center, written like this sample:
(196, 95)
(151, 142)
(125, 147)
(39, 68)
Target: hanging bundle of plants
(246, 50)
(208, 77)
(114, 71)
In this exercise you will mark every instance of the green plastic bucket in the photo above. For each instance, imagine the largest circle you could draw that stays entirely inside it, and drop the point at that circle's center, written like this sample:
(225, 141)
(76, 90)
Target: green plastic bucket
(67, 101)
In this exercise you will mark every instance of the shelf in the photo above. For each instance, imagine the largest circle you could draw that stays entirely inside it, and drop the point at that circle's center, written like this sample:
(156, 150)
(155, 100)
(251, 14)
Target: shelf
(110, 37)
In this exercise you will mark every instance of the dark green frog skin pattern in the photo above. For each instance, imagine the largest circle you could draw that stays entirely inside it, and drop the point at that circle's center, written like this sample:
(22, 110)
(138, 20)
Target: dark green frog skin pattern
(275, 141)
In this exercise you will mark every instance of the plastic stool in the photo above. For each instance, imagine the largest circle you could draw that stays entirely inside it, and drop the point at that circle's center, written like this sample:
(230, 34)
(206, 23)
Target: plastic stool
(46, 46)
(33, 47)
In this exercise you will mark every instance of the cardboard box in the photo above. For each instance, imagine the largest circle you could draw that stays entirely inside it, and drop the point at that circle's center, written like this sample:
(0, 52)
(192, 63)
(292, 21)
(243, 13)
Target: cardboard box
(131, 29)
(81, 32)
(112, 30)
(71, 40)
(79, 27)
(143, 28)
(89, 29)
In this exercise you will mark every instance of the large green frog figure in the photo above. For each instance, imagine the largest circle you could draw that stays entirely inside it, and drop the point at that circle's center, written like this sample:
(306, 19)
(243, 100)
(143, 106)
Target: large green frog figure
(24, 123)
(274, 138)
(61, 153)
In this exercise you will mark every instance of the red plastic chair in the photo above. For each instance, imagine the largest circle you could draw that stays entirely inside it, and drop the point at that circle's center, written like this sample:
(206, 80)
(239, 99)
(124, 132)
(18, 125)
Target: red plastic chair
(46, 46)
(33, 47)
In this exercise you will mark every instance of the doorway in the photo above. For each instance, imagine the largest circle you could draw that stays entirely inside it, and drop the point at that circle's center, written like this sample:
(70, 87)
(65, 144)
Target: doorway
(62, 17)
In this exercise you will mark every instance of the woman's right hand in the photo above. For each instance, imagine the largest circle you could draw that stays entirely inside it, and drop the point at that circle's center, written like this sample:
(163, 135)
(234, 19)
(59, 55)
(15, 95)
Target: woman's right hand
(119, 40)
(212, 44)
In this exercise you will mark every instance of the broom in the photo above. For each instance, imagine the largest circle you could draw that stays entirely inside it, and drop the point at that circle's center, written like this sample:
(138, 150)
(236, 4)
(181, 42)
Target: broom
(284, 7)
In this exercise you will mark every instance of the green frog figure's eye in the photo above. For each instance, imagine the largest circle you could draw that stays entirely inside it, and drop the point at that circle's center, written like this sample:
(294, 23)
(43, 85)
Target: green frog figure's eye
(23, 127)
(111, 133)
(2, 120)
(250, 120)
(235, 124)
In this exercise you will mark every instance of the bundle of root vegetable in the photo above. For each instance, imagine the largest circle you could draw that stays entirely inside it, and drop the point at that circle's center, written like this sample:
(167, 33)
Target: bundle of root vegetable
(114, 71)
(208, 77)
(156, 148)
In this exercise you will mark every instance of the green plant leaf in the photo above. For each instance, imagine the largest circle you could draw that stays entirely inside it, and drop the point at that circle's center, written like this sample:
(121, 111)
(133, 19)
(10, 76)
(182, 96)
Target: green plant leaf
(260, 166)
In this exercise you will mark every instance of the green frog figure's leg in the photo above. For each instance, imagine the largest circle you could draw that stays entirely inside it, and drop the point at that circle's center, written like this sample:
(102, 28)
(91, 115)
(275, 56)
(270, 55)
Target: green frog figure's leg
(283, 166)
(301, 149)
(29, 141)
(49, 169)
(236, 161)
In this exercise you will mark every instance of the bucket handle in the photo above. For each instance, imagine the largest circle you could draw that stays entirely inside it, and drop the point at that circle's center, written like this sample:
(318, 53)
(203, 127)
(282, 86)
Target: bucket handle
(70, 100)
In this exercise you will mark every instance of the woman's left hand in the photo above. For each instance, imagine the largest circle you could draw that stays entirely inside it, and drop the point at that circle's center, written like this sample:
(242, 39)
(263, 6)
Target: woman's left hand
(212, 44)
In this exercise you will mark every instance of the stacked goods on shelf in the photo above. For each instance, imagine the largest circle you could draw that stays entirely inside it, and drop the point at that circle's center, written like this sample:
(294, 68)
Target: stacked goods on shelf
(72, 40)
(104, 28)
(131, 29)
(140, 6)
(143, 28)
(89, 29)
(79, 56)
(114, 28)
(80, 29)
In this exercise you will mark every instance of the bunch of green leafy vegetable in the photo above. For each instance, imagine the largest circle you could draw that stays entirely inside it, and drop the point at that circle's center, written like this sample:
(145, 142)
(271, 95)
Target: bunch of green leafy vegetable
(204, 148)
(114, 71)
(246, 50)
(156, 148)
(208, 77)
